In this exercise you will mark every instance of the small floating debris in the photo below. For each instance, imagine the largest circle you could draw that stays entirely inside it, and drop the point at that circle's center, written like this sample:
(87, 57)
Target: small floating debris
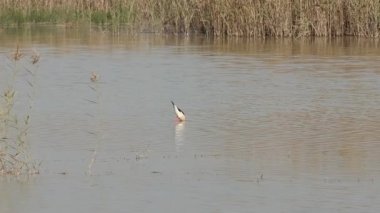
(35, 57)
(140, 156)
(156, 172)
(94, 77)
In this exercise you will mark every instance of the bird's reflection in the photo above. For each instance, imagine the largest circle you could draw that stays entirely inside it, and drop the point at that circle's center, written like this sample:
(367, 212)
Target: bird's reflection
(179, 136)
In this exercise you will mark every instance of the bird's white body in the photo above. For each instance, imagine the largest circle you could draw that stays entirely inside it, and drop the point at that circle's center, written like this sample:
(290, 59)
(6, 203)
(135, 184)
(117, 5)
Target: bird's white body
(179, 113)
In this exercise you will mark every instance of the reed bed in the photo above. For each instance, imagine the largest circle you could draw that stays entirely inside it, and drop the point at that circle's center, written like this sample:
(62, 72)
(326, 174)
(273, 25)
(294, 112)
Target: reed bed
(252, 18)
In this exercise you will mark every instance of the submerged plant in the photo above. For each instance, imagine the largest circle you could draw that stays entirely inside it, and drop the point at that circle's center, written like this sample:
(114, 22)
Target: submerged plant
(17, 54)
(97, 131)
(15, 156)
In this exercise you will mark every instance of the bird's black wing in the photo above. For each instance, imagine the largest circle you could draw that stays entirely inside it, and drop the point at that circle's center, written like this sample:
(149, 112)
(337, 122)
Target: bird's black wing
(180, 110)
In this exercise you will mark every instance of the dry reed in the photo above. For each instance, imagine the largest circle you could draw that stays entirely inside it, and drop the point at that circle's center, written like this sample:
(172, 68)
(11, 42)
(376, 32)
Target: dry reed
(254, 18)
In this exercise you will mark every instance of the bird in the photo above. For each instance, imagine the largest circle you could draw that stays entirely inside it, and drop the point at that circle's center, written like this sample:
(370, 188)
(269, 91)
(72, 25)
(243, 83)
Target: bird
(179, 113)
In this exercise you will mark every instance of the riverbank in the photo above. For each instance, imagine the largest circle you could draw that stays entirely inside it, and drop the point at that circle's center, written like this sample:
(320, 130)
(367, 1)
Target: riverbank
(251, 18)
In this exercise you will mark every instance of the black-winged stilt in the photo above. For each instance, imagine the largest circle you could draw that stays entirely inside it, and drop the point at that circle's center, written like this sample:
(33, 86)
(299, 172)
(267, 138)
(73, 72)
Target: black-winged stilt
(179, 113)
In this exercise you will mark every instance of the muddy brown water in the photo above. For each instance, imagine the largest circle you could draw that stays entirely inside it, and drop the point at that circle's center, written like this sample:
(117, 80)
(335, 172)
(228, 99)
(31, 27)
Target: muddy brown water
(273, 126)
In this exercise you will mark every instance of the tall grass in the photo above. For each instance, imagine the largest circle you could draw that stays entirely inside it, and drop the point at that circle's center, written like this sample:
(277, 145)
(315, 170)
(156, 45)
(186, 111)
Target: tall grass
(254, 18)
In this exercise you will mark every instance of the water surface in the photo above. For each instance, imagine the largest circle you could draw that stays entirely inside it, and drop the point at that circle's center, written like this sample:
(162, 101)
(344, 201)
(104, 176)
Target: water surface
(273, 126)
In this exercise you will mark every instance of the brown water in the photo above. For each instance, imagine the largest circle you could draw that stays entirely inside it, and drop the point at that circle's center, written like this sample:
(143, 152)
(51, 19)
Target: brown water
(273, 126)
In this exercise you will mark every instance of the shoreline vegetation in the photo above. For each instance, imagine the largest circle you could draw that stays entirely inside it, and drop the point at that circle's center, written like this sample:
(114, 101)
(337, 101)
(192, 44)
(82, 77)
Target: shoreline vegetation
(248, 18)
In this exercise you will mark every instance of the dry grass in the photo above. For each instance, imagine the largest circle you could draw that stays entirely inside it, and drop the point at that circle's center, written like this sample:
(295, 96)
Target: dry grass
(255, 18)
